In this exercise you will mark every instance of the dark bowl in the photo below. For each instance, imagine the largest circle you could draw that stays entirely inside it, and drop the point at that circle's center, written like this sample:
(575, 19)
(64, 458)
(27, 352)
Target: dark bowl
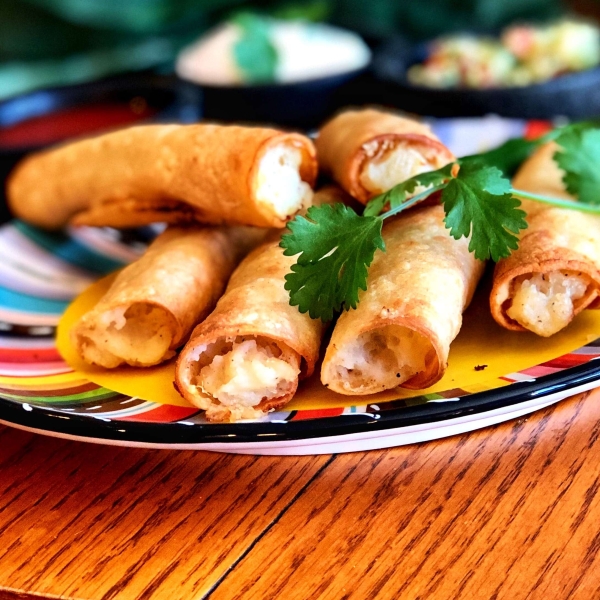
(133, 99)
(573, 95)
(304, 104)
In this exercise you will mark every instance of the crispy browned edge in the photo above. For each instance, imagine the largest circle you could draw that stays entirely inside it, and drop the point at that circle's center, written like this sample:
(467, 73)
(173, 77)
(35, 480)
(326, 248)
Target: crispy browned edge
(538, 261)
(219, 330)
(356, 161)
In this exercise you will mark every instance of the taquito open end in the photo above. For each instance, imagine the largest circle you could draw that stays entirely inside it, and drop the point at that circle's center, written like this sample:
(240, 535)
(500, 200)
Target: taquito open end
(138, 334)
(383, 358)
(543, 296)
(239, 377)
(370, 151)
(283, 177)
(153, 304)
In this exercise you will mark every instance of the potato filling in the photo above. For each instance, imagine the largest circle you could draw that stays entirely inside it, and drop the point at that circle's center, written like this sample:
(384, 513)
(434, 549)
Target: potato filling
(247, 372)
(279, 184)
(544, 303)
(389, 163)
(139, 335)
(381, 359)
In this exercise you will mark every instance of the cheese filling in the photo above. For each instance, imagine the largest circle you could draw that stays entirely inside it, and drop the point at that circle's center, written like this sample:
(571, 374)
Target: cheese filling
(390, 163)
(544, 303)
(246, 372)
(139, 335)
(381, 359)
(279, 184)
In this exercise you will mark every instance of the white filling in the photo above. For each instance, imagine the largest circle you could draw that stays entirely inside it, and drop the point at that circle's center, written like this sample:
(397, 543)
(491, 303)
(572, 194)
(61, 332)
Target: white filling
(390, 164)
(381, 359)
(279, 184)
(543, 303)
(246, 375)
(138, 336)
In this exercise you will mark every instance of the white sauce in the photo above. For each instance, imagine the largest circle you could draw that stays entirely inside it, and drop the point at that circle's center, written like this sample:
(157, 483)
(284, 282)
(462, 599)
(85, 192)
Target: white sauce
(305, 51)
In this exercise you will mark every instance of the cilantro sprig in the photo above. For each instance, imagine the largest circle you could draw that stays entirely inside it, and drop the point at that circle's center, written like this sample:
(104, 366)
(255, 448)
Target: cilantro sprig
(478, 202)
(579, 158)
(254, 52)
(335, 246)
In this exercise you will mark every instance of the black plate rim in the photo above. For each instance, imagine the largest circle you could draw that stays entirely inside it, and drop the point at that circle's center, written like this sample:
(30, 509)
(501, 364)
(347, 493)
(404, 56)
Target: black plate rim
(101, 429)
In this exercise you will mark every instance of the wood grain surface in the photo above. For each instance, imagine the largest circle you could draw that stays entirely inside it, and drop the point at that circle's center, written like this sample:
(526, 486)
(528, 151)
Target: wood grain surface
(511, 511)
(505, 512)
(87, 521)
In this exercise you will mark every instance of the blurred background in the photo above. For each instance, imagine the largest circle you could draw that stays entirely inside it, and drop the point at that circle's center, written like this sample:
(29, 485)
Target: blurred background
(51, 42)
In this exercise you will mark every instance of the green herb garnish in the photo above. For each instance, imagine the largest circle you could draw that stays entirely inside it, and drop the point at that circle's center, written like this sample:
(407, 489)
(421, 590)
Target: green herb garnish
(579, 158)
(335, 246)
(478, 202)
(254, 52)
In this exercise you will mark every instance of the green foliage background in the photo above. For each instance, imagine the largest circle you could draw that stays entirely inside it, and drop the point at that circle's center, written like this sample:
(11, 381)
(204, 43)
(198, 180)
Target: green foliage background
(46, 42)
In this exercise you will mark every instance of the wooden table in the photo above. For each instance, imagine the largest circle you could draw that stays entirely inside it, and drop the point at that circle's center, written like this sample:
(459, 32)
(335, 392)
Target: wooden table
(511, 511)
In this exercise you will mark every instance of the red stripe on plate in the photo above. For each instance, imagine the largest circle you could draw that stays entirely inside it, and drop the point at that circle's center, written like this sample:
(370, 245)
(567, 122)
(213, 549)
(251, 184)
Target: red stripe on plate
(302, 415)
(569, 360)
(29, 355)
(540, 371)
(163, 413)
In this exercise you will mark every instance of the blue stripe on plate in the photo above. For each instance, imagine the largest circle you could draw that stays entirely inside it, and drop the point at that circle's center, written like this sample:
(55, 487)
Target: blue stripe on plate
(73, 251)
(30, 304)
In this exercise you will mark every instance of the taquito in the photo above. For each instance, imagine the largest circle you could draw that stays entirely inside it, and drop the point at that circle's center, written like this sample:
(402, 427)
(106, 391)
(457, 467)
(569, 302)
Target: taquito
(169, 173)
(369, 151)
(554, 274)
(245, 359)
(154, 303)
(401, 330)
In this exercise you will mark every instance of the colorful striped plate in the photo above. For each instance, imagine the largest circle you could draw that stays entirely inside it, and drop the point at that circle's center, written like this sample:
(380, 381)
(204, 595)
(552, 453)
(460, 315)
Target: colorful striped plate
(40, 273)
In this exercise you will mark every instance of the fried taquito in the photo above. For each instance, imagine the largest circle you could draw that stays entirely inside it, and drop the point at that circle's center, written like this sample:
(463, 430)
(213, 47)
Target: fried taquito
(167, 173)
(400, 332)
(154, 303)
(246, 358)
(370, 151)
(554, 274)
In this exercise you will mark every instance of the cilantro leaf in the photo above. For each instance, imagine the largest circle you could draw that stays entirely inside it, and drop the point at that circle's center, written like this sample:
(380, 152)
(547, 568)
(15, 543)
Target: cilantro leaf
(335, 246)
(509, 156)
(478, 202)
(398, 194)
(506, 157)
(579, 158)
(254, 52)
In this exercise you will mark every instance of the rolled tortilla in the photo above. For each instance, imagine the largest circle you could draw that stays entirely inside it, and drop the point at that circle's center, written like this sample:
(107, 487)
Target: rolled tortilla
(401, 330)
(246, 358)
(169, 173)
(554, 274)
(369, 151)
(153, 304)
